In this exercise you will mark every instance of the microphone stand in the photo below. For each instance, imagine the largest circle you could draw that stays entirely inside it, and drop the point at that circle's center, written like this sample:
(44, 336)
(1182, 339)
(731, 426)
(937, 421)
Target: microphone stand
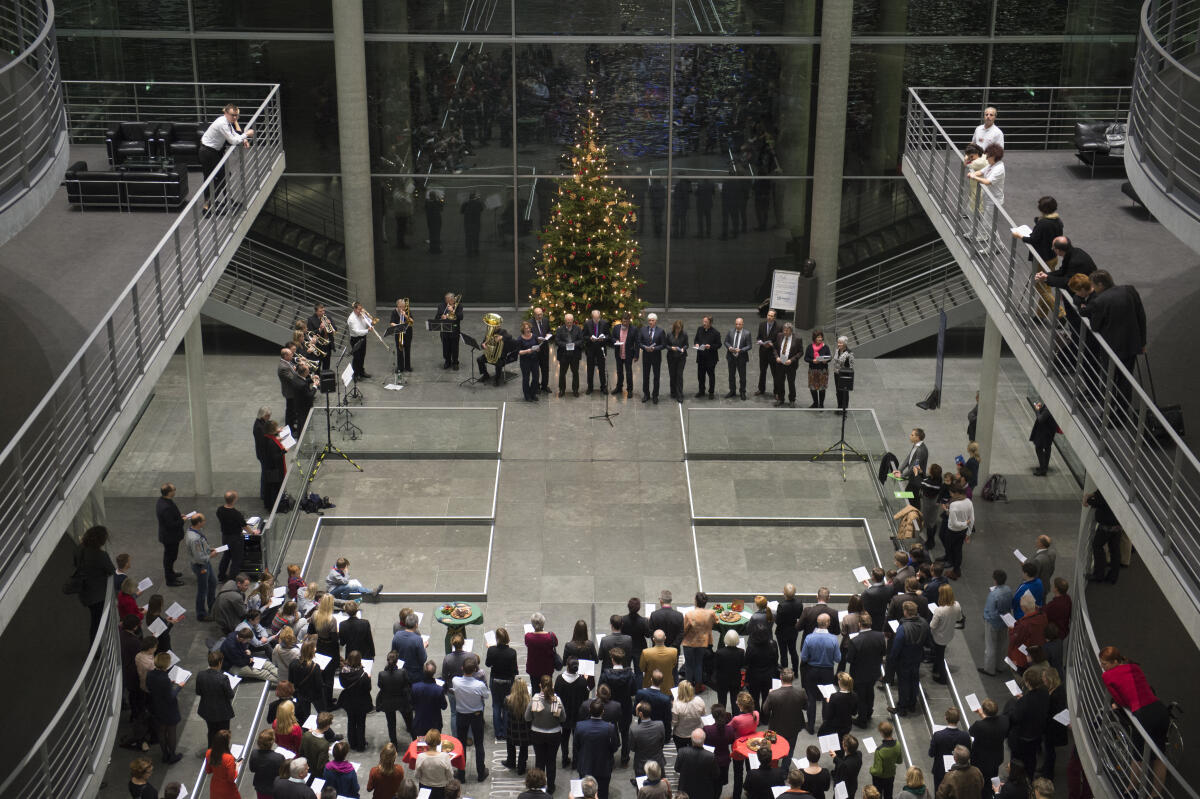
(607, 415)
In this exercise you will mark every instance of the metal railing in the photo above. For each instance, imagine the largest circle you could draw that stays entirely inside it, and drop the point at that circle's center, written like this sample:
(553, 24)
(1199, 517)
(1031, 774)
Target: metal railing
(32, 123)
(40, 465)
(298, 201)
(1122, 431)
(79, 731)
(1032, 117)
(1116, 743)
(860, 287)
(266, 269)
(1164, 128)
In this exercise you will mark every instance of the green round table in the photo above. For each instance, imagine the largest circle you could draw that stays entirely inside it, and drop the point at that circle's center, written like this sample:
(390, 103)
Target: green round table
(723, 627)
(454, 625)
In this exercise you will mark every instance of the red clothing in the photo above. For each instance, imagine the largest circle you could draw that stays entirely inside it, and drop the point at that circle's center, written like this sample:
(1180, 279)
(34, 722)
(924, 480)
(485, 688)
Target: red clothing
(223, 784)
(1128, 687)
(385, 786)
(288, 739)
(126, 605)
(741, 724)
(1058, 610)
(539, 655)
(1030, 629)
(294, 584)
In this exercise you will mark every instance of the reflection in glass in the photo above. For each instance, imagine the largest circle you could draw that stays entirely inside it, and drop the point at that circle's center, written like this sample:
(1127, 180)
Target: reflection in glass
(628, 17)
(261, 15)
(445, 16)
(725, 17)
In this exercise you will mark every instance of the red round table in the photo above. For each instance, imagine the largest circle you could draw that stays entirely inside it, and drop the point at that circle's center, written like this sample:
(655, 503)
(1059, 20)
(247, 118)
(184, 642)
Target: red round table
(458, 758)
(779, 749)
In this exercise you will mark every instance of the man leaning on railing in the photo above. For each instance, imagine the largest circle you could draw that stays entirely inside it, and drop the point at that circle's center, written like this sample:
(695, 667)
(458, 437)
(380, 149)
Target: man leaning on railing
(223, 131)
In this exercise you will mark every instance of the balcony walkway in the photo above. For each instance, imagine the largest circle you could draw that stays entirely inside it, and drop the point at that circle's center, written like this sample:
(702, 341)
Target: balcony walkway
(1134, 248)
(58, 277)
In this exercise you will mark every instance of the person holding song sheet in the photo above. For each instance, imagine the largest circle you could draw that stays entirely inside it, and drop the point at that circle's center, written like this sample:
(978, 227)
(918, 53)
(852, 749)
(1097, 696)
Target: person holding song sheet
(768, 331)
(596, 330)
(737, 355)
(817, 356)
(569, 340)
(529, 353)
(677, 351)
(542, 332)
(625, 350)
(707, 342)
(651, 342)
(787, 348)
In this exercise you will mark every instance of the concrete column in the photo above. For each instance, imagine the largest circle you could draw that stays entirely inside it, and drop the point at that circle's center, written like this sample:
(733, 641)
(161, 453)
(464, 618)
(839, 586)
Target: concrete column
(985, 423)
(350, 66)
(193, 356)
(830, 143)
(795, 96)
(887, 106)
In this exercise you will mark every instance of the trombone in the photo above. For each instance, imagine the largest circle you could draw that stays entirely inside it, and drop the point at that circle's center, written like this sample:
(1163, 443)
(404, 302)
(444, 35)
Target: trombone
(374, 321)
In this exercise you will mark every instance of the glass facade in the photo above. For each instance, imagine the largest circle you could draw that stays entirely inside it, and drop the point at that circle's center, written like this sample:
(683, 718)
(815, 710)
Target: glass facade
(708, 111)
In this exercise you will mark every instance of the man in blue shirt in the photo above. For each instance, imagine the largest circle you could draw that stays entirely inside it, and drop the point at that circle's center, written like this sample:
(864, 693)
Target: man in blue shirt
(408, 645)
(995, 631)
(1032, 585)
(820, 653)
(470, 694)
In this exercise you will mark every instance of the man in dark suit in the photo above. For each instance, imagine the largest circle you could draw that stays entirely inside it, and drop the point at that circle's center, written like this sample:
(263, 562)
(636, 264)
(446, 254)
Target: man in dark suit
(1116, 314)
(449, 310)
(625, 352)
(737, 355)
(170, 531)
(876, 598)
(808, 619)
(865, 654)
(216, 696)
(322, 325)
(768, 330)
(788, 351)
(647, 735)
(615, 639)
(760, 780)
(1042, 436)
(1071, 261)
(355, 633)
(787, 615)
(989, 735)
(164, 707)
(708, 348)
(783, 709)
(669, 620)
(596, 331)
(295, 388)
(569, 341)
(541, 329)
(918, 456)
(942, 743)
(595, 742)
(697, 769)
(651, 342)
(295, 785)
(658, 700)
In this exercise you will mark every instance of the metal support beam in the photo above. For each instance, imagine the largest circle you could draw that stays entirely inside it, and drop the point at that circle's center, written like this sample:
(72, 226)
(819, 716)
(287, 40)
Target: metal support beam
(985, 422)
(193, 348)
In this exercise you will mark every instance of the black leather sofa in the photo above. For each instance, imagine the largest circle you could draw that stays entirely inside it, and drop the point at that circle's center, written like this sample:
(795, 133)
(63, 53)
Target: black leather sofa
(126, 189)
(180, 141)
(1100, 143)
(129, 138)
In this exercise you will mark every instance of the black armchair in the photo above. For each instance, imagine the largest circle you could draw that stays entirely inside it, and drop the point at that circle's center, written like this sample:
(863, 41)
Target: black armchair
(129, 138)
(1100, 143)
(180, 141)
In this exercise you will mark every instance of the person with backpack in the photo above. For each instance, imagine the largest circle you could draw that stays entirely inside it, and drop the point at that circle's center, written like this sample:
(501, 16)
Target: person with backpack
(904, 659)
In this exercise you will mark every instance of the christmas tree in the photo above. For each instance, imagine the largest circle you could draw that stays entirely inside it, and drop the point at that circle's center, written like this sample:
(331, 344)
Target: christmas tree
(587, 257)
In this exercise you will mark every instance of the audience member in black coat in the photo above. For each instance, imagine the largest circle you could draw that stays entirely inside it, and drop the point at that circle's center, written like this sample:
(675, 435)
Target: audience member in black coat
(808, 619)
(355, 699)
(264, 763)
(1117, 314)
(864, 655)
(637, 627)
(395, 696)
(730, 660)
(1027, 718)
(216, 695)
(840, 708)
(988, 735)
(615, 638)
(1042, 436)
(847, 765)
(787, 613)
(355, 633)
(697, 769)
(170, 532)
(1071, 261)
(762, 666)
(164, 707)
(669, 620)
(622, 686)
(942, 743)
(761, 779)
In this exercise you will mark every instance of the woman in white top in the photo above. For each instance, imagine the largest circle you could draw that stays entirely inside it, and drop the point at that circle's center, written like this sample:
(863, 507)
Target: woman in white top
(686, 710)
(960, 524)
(941, 628)
(434, 768)
(991, 176)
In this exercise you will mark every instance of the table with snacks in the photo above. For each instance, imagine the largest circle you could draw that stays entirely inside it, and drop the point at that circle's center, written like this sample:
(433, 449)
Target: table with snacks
(729, 617)
(458, 758)
(456, 616)
(748, 745)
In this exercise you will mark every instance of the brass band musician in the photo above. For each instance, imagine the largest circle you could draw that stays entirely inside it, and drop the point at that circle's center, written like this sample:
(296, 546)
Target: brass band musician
(322, 329)
(401, 329)
(297, 389)
(450, 310)
(499, 348)
(359, 323)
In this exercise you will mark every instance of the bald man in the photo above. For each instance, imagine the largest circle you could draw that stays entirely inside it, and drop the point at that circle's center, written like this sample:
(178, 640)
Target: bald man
(596, 331)
(569, 339)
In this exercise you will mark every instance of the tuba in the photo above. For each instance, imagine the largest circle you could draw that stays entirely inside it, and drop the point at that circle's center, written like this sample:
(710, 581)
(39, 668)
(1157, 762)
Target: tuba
(493, 345)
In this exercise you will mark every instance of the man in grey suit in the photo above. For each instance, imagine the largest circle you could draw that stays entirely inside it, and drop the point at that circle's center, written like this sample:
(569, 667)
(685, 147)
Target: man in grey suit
(1044, 557)
(615, 638)
(651, 341)
(913, 467)
(646, 737)
(295, 389)
(783, 710)
(737, 355)
(697, 769)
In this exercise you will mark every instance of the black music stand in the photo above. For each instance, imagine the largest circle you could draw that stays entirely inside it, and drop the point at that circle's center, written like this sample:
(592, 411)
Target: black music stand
(472, 378)
(843, 380)
(354, 393)
(329, 447)
(607, 415)
(401, 329)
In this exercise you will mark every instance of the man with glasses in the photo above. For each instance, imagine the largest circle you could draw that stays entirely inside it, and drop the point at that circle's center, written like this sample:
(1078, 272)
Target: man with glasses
(222, 132)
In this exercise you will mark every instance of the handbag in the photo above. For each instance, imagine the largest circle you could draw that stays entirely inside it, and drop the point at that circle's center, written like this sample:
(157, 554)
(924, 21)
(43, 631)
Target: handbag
(73, 584)
(1173, 414)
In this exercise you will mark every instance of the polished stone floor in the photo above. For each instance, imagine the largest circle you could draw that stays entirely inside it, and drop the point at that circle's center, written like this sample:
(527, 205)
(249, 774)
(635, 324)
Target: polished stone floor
(586, 516)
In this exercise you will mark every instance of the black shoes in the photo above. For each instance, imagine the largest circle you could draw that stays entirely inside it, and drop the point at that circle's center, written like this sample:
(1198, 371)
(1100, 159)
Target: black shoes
(645, 398)
(616, 392)
(699, 395)
(731, 395)
(588, 392)
(743, 396)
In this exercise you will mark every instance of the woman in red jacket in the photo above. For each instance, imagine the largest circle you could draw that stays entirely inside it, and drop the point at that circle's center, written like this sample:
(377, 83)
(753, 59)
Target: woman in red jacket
(540, 650)
(127, 600)
(222, 765)
(1127, 684)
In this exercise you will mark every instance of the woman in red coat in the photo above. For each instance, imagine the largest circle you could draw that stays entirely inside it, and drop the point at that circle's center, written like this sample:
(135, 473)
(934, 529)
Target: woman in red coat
(1127, 684)
(127, 600)
(222, 766)
(540, 650)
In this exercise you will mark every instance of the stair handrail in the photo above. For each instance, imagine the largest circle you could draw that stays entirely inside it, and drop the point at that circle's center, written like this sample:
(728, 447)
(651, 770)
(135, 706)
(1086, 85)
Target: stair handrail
(875, 277)
(328, 215)
(299, 284)
(927, 275)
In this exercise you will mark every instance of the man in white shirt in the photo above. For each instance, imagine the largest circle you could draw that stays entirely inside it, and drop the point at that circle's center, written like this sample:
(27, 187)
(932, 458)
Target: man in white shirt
(359, 325)
(737, 355)
(988, 133)
(223, 131)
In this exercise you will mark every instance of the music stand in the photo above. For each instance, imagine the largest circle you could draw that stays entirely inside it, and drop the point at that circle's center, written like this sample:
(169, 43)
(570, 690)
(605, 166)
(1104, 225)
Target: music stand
(472, 379)
(843, 380)
(401, 329)
(329, 447)
(607, 415)
(354, 393)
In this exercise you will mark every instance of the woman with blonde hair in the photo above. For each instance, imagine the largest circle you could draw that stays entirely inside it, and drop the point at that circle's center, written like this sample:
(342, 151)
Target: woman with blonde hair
(305, 675)
(840, 708)
(127, 604)
(518, 738)
(324, 626)
(545, 715)
(287, 731)
(434, 768)
(914, 784)
(744, 723)
(385, 779)
(286, 650)
(686, 712)
(941, 629)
